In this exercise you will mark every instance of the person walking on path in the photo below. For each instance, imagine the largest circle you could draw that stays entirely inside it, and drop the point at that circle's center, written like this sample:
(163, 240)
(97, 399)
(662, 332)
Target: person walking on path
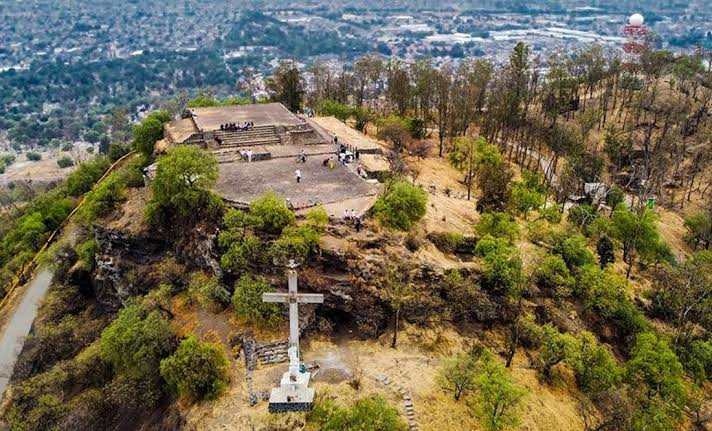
(298, 175)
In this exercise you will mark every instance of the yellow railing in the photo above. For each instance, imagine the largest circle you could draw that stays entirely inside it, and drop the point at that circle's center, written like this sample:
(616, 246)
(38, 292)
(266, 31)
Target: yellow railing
(26, 271)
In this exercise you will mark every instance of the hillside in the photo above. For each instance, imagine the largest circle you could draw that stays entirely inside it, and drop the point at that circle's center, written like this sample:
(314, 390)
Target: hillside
(535, 256)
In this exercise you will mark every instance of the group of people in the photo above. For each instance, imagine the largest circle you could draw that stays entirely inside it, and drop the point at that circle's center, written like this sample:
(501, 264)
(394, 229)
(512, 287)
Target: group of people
(234, 127)
(351, 216)
(246, 155)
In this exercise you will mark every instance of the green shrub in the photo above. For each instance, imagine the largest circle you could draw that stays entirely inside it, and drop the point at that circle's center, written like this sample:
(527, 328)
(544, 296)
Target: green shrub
(602, 291)
(499, 225)
(554, 275)
(208, 291)
(271, 213)
(551, 213)
(417, 128)
(317, 218)
(243, 255)
(582, 216)
(594, 366)
(105, 196)
(401, 206)
(196, 370)
(146, 134)
(85, 176)
(525, 198)
(117, 151)
(86, 252)
(132, 173)
(247, 301)
(332, 108)
(575, 252)
(33, 156)
(137, 340)
(489, 244)
(696, 358)
(296, 242)
(367, 414)
(65, 162)
(67, 146)
(502, 272)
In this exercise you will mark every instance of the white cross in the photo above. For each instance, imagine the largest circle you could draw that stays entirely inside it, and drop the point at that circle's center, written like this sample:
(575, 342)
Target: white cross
(293, 299)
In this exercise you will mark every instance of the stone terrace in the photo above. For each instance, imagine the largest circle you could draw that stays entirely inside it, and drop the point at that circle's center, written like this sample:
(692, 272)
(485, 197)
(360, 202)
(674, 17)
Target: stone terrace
(241, 182)
(275, 114)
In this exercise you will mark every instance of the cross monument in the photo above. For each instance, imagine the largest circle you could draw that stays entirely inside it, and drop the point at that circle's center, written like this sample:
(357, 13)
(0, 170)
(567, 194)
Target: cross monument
(293, 393)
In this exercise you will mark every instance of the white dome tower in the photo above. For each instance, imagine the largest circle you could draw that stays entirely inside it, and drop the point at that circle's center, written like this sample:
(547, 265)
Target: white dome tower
(636, 20)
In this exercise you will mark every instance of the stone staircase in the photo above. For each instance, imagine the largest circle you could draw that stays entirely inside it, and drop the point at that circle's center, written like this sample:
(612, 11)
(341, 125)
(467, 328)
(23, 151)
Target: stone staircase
(258, 135)
(272, 353)
(405, 394)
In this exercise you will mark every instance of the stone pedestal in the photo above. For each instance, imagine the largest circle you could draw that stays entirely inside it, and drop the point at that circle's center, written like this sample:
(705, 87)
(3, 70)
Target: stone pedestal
(293, 394)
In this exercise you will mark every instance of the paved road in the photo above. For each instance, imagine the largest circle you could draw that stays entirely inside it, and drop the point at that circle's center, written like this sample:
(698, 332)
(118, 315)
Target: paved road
(18, 327)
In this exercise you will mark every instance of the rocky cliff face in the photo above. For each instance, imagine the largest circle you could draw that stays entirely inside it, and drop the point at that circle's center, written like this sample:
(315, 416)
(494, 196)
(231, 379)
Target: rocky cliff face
(350, 273)
(121, 260)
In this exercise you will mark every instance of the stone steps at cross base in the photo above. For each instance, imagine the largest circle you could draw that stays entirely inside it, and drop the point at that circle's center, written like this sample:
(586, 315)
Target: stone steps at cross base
(405, 395)
(272, 353)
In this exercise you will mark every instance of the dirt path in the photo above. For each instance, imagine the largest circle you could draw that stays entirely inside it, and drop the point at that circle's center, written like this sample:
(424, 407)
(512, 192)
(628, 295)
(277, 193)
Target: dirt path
(14, 332)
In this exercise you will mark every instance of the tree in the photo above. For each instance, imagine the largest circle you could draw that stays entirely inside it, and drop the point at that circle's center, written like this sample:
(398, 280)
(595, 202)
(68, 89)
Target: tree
(529, 193)
(602, 291)
(636, 230)
(465, 158)
(655, 375)
(286, 86)
(398, 90)
(397, 291)
(247, 301)
(497, 396)
(271, 213)
(366, 71)
(555, 348)
(458, 374)
(196, 370)
(554, 275)
(684, 295)
(181, 187)
(443, 101)
(606, 251)
(574, 251)
(146, 134)
(137, 340)
(498, 225)
(594, 366)
(493, 178)
(395, 130)
(119, 125)
(401, 206)
(469, 93)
